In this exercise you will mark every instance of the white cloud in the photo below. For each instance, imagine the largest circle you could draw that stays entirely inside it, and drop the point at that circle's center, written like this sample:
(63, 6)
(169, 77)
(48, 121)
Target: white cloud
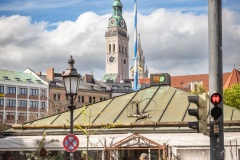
(172, 42)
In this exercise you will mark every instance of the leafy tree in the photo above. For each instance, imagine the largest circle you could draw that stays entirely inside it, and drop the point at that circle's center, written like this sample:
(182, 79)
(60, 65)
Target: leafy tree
(231, 96)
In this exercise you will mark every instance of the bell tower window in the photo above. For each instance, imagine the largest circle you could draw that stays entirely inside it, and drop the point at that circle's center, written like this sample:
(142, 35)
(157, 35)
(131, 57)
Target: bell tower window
(109, 48)
(113, 47)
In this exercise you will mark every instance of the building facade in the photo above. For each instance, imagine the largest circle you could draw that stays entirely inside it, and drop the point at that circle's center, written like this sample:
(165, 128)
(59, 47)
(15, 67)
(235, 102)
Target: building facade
(90, 91)
(117, 56)
(23, 97)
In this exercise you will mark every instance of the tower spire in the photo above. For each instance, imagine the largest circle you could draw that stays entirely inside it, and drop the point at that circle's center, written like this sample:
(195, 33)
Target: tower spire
(139, 42)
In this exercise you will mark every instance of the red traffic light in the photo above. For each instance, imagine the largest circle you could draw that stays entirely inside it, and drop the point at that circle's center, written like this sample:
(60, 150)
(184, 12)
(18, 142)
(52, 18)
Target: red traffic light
(216, 98)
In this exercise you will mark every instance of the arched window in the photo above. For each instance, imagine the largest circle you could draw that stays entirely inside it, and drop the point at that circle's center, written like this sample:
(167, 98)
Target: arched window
(79, 98)
(101, 99)
(82, 99)
(58, 97)
(124, 61)
(54, 96)
(94, 99)
(90, 99)
(109, 48)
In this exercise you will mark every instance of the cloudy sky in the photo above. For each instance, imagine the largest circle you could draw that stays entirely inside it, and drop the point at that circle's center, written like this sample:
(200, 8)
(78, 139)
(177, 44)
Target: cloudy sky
(174, 34)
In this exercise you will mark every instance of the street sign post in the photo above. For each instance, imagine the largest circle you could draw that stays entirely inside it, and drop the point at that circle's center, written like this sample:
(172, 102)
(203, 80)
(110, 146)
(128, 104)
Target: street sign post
(70, 143)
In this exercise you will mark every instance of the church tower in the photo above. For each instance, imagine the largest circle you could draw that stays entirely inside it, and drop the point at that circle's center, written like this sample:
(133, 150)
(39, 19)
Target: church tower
(117, 57)
(142, 70)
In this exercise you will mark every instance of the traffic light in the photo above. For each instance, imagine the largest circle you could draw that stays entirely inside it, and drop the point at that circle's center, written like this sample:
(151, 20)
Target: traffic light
(200, 113)
(216, 111)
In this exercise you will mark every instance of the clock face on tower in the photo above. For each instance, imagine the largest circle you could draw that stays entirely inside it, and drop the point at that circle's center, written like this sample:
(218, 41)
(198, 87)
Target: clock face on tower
(112, 21)
(111, 59)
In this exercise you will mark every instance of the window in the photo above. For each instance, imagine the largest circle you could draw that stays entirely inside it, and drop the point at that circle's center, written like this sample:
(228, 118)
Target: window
(82, 99)
(54, 96)
(43, 93)
(23, 91)
(11, 90)
(94, 99)
(123, 49)
(79, 98)
(58, 97)
(124, 61)
(11, 103)
(119, 48)
(113, 47)
(109, 48)
(126, 87)
(10, 115)
(22, 103)
(33, 104)
(1, 115)
(126, 50)
(43, 105)
(34, 92)
(101, 99)
(90, 99)
(22, 116)
(1, 102)
(1, 89)
(115, 87)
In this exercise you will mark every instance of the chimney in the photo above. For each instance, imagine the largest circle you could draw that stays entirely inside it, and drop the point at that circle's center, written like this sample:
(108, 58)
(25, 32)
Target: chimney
(50, 74)
(39, 73)
(88, 78)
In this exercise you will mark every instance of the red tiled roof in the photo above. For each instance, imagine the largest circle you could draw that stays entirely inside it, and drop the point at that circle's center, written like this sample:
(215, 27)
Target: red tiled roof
(144, 80)
(181, 82)
(233, 78)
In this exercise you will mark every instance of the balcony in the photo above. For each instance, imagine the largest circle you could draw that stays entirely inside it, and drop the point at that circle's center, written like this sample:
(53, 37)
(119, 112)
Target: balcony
(43, 110)
(10, 108)
(33, 109)
(43, 98)
(10, 95)
(33, 97)
(22, 108)
(23, 96)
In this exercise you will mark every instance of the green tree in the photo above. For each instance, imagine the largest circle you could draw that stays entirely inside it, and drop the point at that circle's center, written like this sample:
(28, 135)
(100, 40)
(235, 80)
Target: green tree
(231, 96)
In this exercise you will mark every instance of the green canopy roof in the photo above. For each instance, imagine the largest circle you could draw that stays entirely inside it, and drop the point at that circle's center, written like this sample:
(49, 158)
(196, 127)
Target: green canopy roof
(158, 106)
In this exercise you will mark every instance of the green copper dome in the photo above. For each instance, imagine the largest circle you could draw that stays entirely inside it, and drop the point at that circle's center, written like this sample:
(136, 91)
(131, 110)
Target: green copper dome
(117, 3)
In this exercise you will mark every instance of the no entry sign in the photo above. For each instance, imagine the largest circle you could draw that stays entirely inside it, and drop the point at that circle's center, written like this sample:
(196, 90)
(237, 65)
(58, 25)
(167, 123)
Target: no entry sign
(70, 143)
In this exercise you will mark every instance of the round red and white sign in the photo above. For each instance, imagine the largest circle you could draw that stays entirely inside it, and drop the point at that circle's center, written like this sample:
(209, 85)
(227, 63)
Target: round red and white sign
(70, 143)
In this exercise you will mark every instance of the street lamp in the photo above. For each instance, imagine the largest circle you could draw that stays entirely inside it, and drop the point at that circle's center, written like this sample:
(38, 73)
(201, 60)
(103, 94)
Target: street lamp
(71, 82)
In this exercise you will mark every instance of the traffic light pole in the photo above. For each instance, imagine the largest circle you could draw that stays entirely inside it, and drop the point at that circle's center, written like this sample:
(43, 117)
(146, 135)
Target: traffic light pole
(215, 75)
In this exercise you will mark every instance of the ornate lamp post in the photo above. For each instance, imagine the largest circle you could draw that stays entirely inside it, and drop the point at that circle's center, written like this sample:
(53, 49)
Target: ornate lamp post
(71, 82)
